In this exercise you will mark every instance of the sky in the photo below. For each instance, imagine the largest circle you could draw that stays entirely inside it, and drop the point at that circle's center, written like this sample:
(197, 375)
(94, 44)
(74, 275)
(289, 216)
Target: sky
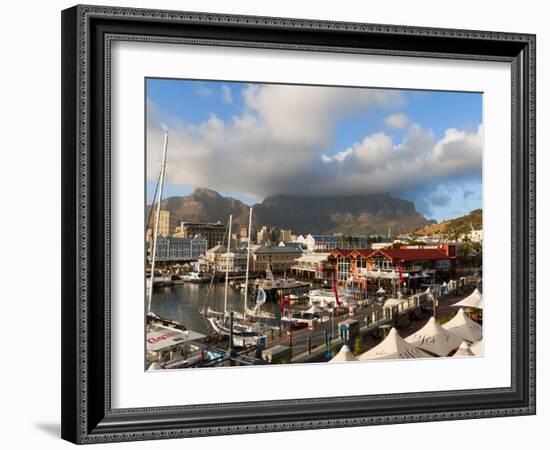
(251, 141)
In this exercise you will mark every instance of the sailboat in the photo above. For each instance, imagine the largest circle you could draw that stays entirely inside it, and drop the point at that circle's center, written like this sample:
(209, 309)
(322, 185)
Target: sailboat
(245, 331)
(169, 343)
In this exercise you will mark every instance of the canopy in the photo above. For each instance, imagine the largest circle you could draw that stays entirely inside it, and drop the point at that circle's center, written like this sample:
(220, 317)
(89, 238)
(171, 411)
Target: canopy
(381, 291)
(464, 350)
(474, 300)
(464, 327)
(344, 355)
(393, 347)
(313, 310)
(434, 338)
(154, 366)
(161, 337)
(477, 348)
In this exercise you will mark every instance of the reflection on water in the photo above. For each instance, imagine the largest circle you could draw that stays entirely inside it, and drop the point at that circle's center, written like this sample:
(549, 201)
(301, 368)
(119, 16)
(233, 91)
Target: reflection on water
(182, 303)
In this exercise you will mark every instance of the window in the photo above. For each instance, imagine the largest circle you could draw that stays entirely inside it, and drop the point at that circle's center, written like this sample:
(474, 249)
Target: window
(343, 269)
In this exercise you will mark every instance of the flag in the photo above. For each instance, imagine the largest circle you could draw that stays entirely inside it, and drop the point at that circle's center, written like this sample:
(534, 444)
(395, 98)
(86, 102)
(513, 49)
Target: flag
(261, 297)
(400, 272)
(335, 290)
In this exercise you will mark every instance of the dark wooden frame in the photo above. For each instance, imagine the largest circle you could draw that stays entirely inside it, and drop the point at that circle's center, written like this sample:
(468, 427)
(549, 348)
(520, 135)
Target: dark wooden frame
(87, 31)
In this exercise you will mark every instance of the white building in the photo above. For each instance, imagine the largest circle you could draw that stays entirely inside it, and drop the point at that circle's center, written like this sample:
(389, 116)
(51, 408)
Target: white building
(170, 249)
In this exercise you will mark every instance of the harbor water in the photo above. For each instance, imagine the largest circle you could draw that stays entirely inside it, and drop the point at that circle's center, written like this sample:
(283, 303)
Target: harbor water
(183, 303)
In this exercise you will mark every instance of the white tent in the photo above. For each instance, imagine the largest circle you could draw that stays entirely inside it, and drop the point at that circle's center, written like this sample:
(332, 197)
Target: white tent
(393, 347)
(474, 300)
(477, 348)
(344, 355)
(464, 327)
(433, 338)
(154, 366)
(464, 350)
(313, 310)
(381, 291)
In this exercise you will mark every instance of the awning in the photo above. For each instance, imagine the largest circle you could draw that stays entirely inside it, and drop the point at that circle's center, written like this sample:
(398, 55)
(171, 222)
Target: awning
(464, 350)
(474, 300)
(161, 337)
(393, 347)
(344, 355)
(434, 338)
(464, 327)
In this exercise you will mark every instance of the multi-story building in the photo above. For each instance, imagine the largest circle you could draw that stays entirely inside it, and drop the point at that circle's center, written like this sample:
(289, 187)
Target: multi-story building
(329, 242)
(170, 249)
(164, 226)
(312, 266)
(214, 233)
(218, 259)
(285, 235)
(278, 259)
(356, 265)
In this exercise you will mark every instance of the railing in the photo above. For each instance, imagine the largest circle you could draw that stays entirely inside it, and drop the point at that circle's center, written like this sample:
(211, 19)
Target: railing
(310, 343)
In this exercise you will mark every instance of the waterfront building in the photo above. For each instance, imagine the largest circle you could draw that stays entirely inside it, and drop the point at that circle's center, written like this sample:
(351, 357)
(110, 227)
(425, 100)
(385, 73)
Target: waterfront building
(353, 266)
(329, 242)
(170, 249)
(278, 259)
(214, 233)
(217, 259)
(312, 266)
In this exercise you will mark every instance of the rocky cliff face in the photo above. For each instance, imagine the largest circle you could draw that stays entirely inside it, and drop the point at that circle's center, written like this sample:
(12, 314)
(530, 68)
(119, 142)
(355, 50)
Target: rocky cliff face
(357, 214)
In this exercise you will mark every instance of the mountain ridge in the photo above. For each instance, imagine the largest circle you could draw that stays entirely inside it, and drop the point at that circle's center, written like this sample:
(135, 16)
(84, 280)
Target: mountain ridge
(353, 214)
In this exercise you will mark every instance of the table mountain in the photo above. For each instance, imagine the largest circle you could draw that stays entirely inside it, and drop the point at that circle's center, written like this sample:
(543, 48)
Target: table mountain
(355, 214)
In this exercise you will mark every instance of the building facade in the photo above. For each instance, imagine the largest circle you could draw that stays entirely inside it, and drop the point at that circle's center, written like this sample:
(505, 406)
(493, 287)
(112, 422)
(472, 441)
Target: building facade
(353, 266)
(312, 266)
(170, 249)
(219, 260)
(278, 259)
(214, 233)
(164, 226)
(329, 242)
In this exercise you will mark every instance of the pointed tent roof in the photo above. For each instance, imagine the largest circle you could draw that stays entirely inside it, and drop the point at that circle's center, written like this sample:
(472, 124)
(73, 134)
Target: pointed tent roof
(464, 327)
(433, 338)
(381, 291)
(154, 366)
(464, 350)
(344, 355)
(313, 310)
(393, 347)
(474, 300)
(477, 348)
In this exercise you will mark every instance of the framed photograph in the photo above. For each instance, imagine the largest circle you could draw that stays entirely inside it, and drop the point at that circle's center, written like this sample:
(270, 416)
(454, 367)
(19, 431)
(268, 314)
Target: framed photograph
(283, 224)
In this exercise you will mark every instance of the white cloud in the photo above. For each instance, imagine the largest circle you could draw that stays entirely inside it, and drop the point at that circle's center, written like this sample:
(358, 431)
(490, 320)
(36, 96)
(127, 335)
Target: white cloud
(273, 146)
(204, 91)
(227, 96)
(281, 142)
(397, 120)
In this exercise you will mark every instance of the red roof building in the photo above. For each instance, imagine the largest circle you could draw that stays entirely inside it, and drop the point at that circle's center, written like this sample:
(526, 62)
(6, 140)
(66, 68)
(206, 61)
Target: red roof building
(354, 265)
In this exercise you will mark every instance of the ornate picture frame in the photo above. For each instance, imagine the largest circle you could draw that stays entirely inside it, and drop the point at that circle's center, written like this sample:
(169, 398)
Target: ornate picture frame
(88, 33)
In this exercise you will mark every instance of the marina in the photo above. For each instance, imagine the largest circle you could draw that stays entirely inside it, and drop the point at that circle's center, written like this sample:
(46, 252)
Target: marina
(318, 341)
(225, 306)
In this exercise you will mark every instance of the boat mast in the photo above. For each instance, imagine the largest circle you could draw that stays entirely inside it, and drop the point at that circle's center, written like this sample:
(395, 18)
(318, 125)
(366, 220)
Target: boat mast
(156, 227)
(247, 264)
(227, 266)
